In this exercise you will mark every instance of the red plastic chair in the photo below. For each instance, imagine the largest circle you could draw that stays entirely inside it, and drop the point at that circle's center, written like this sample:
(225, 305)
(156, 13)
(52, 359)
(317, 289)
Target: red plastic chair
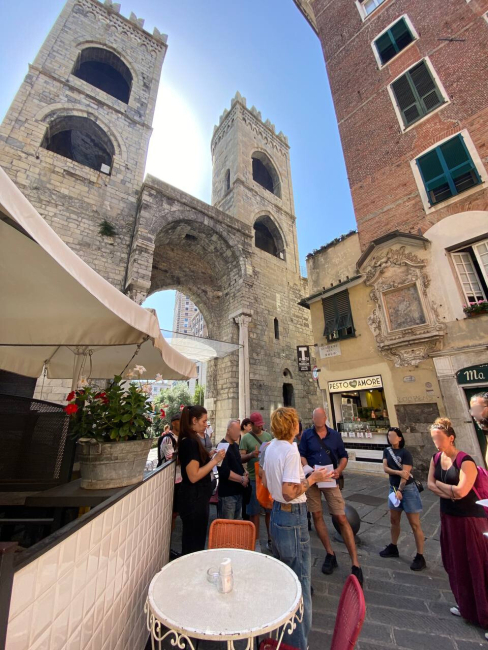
(350, 616)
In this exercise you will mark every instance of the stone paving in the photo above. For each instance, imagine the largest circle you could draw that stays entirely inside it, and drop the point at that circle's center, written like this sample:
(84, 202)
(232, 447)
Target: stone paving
(404, 609)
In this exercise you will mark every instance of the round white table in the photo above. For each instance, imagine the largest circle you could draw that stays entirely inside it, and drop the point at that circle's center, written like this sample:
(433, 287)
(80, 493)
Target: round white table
(267, 597)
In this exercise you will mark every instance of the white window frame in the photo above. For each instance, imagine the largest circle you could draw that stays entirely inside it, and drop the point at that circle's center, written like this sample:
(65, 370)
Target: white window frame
(362, 12)
(413, 32)
(480, 168)
(460, 280)
(484, 269)
(439, 84)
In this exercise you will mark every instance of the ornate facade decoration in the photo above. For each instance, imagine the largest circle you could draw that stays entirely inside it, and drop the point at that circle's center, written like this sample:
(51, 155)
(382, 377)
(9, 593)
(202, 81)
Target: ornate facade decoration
(404, 322)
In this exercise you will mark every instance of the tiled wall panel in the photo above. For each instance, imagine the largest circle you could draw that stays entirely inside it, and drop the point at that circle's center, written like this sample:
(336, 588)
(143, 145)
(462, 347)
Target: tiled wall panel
(88, 592)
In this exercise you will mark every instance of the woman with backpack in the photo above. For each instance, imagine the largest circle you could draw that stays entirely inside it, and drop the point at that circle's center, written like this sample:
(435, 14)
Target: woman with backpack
(398, 463)
(453, 476)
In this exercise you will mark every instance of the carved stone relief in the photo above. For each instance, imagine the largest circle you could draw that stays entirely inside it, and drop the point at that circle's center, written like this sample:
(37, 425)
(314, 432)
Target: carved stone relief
(405, 321)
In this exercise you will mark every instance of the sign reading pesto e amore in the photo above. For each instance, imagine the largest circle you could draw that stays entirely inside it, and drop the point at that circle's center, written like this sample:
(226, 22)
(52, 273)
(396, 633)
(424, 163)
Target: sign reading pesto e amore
(362, 383)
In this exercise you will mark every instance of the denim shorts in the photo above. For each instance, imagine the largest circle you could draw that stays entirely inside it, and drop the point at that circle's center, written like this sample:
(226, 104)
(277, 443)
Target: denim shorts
(411, 502)
(254, 507)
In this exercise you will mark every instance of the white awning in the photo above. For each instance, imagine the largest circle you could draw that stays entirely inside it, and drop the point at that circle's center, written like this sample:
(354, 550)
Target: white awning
(55, 309)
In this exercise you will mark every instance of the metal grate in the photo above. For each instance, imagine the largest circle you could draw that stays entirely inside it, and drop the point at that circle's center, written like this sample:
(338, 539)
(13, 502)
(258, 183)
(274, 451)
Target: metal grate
(33, 442)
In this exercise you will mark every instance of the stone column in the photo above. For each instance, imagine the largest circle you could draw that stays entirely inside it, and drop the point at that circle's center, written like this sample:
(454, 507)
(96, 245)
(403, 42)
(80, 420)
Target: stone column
(243, 320)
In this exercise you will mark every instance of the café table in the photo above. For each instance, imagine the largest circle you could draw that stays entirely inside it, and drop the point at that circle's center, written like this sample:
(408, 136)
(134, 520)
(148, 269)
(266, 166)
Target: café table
(182, 605)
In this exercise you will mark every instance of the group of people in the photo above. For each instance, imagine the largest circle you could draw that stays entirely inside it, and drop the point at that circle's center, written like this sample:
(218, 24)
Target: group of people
(291, 463)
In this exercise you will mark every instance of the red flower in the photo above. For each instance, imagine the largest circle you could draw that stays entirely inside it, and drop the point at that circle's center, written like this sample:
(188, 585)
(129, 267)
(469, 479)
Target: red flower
(71, 409)
(162, 413)
(102, 396)
(71, 396)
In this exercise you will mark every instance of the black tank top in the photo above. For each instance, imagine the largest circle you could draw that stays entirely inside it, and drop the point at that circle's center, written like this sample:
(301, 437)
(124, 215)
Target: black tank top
(465, 507)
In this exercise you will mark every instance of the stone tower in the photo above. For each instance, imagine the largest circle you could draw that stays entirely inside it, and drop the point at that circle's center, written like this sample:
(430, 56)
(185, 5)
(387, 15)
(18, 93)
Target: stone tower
(76, 136)
(252, 182)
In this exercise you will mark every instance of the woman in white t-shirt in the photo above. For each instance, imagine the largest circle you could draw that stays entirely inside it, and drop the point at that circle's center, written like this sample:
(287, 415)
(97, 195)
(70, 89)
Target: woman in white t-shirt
(283, 476)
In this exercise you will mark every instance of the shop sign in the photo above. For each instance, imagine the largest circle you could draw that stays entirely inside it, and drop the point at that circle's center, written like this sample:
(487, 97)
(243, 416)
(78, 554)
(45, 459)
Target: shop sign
(362, 383)
(303, 353)
(332, 350)
(473, 374)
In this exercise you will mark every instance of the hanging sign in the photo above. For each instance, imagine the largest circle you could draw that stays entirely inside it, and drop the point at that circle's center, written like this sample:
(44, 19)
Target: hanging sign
(303, 353)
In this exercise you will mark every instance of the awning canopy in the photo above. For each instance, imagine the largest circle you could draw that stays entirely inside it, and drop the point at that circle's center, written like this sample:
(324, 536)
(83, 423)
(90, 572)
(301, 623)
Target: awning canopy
(198, 348)
(57, 310)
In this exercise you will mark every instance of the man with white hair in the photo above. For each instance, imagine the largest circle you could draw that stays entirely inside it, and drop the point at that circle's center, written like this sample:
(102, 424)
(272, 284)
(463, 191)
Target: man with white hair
(232, 477)
(479, 410)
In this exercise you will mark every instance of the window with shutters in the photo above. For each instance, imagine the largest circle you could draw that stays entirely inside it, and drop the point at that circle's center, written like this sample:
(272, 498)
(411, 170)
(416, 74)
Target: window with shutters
(471, 264)
(366, 7)
(447, 170)
(416, 93)
(393, 40)
(338, 317)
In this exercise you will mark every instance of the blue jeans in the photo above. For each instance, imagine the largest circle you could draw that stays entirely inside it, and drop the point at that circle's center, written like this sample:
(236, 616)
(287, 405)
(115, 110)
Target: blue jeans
(291, 545)
(230, 507)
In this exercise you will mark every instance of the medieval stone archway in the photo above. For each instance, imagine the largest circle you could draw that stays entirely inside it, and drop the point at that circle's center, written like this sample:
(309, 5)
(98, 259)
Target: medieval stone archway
(181, 243)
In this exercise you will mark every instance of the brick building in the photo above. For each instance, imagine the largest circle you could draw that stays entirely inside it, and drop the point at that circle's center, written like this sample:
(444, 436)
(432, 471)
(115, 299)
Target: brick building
(408, 80)
(75, 141)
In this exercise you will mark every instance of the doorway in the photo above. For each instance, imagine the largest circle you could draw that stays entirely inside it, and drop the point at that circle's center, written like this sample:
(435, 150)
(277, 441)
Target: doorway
(288, 395)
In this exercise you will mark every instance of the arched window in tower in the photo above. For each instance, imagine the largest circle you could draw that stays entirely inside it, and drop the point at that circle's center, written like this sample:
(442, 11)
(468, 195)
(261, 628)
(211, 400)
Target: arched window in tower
(268, 238)
(276, 329)
(227, 180)
(106, 71)
(82, 140)
(264, 173)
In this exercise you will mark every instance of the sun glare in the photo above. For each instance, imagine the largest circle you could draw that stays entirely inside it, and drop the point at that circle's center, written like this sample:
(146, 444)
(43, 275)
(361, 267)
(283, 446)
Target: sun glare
(178, 153)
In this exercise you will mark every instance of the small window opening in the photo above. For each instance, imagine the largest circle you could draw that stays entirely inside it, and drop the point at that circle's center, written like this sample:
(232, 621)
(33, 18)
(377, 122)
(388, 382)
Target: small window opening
(276, 329)
(265, 174)
(288, 395)
(227, 180)
(106, 71)
(267, 237)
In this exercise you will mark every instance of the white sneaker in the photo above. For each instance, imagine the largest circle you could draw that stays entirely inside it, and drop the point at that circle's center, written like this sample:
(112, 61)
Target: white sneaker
(455, 611)
(257, 548)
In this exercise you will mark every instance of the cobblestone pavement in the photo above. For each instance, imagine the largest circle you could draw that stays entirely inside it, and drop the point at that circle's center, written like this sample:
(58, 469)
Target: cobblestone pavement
(404, 609)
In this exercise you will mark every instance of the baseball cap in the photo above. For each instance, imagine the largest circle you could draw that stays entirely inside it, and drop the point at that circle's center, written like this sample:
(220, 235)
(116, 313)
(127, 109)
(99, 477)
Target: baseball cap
(257, 419)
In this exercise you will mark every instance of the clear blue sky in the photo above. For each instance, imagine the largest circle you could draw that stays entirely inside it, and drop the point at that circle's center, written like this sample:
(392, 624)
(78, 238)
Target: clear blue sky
(263, 48)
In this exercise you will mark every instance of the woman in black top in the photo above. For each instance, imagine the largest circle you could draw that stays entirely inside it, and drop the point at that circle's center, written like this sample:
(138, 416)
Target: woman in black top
(196, 485)
(398, 463)
(464, 549)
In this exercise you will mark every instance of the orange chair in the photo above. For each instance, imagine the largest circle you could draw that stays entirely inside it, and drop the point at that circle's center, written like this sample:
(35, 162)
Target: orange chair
(229, 533)
(350, 616)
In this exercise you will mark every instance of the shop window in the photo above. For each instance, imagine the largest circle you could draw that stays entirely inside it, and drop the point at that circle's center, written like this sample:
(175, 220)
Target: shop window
(416, 93)
(264, 173)
(394, 40)
(106, 71)
(338, 317)
(447, 170)
(82, 140)
(471, 264)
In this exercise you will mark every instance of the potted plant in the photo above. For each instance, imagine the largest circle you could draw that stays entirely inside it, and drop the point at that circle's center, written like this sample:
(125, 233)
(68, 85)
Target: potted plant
(476, 308)
(113, 430)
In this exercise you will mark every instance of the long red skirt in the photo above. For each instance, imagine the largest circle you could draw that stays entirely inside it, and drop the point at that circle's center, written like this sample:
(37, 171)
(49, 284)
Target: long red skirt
(465, 557)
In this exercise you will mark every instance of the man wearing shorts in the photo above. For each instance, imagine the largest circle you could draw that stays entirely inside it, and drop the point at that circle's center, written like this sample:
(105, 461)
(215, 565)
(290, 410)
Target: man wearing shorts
(321, 445)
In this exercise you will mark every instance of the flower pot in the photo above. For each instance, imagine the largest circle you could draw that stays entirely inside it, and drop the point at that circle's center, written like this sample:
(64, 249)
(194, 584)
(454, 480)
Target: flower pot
(473, 314)
(112, 464)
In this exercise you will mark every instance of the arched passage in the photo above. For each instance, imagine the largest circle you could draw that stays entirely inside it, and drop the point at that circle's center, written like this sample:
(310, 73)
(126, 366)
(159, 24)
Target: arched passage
(104, 70)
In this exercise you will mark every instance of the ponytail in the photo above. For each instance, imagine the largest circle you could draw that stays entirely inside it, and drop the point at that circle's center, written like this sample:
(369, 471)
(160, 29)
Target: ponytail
(186, 428)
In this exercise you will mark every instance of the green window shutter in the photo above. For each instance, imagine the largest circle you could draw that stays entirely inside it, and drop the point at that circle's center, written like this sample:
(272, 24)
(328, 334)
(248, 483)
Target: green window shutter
(337, 316)
(416, 93)
(407, 100)
(461, 168)
(434, 176)
(393, 41)
(429, 95)
(328, 305)
(386, 47)
(448, 170)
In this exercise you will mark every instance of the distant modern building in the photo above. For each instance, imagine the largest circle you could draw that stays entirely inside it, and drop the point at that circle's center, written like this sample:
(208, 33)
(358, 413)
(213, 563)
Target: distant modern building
(198, 326)
(184, 312)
